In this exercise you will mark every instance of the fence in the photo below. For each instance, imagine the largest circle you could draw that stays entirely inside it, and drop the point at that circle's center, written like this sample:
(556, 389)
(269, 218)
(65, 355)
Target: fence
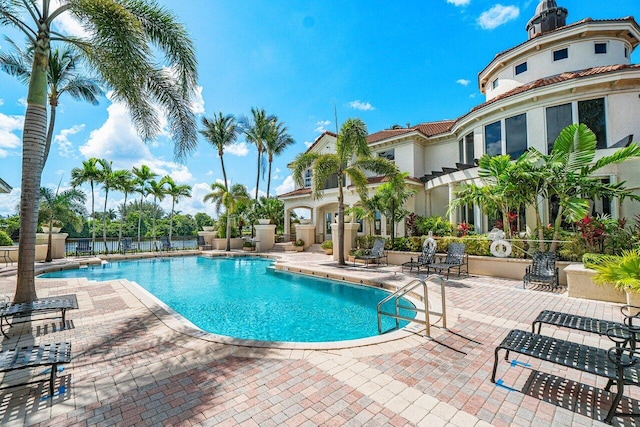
(146, 244)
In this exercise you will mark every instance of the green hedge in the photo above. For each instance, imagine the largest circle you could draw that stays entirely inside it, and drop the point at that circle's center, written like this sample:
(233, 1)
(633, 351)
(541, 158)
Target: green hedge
(5, 240)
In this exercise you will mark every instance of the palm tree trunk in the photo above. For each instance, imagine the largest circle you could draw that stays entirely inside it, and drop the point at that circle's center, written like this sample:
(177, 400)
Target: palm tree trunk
(556, 230)
(269, 177)
(104, 220)
(122, 217)
(49, 257)
(139, 221)
(224, 173)
(340, 223)
(228, 249)
(258, 177)
(34, 135)
(173, 204)
(93, 218)
(52, 122)
(153, 227)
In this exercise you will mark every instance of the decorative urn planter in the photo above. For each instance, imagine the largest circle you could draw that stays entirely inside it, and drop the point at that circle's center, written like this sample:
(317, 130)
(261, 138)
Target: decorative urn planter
(208, 228)
(53, 229)
(305, 221)
(264, 221)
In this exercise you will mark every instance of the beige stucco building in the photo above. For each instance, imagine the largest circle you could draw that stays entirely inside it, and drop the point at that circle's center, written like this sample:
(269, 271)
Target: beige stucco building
(562, 74)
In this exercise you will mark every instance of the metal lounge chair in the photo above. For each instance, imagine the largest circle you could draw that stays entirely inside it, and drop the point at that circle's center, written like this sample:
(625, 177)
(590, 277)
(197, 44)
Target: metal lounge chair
(375, 254)
(426, 257)
(166, 244)
(45, 306)
(83, 247)
(542, 270)
(202, 244)
(126, 245)
(456, 259)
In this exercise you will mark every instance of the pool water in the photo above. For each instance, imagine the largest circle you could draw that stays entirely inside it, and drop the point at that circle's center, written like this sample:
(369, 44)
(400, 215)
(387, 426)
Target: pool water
(243, 297)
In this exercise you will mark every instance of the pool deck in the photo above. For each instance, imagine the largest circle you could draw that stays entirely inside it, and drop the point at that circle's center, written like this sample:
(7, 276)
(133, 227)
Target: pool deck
(136, 363)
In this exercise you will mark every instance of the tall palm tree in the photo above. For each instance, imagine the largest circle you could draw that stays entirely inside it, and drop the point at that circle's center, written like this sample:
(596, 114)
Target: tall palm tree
(278, 139)
(176, 192)
(108, 181)
(91, 173)
(256, 130)
(392, 196)
(64, 75)
(142, 177)
(229, 199)
(157, 190)
(65, 206)
(123, 182)
(221, 131)
(123, 38)
(351, 159)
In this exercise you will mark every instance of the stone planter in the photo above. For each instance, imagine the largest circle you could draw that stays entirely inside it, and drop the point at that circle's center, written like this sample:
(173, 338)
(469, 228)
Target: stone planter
(328, 251)
(53, 229)
(264, 221)
(580, 285)
(293, 248)
(249, 248)
(208, 228)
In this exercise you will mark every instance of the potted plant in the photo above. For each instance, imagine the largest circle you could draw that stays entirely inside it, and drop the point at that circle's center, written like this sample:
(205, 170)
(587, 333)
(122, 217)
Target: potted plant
(623, 272)
(298, 245)
(327, 245)
(248, 246)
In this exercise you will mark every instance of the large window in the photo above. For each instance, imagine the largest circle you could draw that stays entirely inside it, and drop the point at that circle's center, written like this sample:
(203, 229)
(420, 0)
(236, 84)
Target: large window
(592, 114)
(493, 139)
(389, 154)
(307, 178)
(466, 149)
(516, 135)
(558, 118)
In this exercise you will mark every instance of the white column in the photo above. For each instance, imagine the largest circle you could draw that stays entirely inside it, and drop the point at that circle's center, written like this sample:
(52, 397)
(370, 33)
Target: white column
(453, 217)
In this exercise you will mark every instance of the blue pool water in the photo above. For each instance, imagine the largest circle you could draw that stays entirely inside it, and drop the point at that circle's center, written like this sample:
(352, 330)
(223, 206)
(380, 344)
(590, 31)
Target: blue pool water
(244, 298)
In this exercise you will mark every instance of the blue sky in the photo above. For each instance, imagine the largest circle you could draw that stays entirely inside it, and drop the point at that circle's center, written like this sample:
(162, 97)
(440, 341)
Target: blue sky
(384, 62)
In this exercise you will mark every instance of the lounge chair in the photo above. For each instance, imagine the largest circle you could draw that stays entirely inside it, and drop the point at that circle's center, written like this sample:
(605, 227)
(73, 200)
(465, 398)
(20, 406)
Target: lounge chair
(542, 270)
(166, 244)
(126, 246)
(36, 355)
(40, 306)
(376, 253)
(426, 257)
(456, 259)
(83, 247)
(202, 244)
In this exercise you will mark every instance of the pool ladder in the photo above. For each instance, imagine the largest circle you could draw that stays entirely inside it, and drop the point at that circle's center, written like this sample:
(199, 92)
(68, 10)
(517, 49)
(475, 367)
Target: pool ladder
(409, 287)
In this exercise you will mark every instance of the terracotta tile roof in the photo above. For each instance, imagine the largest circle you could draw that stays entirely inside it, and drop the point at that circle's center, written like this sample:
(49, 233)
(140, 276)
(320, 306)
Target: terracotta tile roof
(387, 133)
(381, 179)
(435, 128)
(427, 129)
(298, 192)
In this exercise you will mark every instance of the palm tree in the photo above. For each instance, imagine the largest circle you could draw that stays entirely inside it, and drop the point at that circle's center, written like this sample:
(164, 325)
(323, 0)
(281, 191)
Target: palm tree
(221, 132)
(229, 199)
(89, 172)
(108, 180)
(278, 139)
(392, 196)
(66, 206)
(123, 37)
(351, 159)
(257, 130)
(64, 75)
(156, 189)
(175, 191)
(142, 177)
(125, 183)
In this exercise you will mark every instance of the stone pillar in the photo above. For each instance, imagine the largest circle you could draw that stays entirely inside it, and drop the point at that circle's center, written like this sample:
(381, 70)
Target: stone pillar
(57, 243)
(265, 237)
(350, 234)
(306, 232)
(287, 223)
(453, 215)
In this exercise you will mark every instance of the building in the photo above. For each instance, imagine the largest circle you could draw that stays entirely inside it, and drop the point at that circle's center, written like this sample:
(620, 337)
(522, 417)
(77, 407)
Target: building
(562, 74)
(4, 187)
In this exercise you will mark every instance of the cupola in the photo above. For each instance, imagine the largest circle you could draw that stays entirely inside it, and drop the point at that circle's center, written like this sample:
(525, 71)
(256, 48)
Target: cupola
(548, 17)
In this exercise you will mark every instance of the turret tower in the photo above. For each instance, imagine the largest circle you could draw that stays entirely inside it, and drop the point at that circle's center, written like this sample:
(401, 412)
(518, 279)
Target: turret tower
(548, 17)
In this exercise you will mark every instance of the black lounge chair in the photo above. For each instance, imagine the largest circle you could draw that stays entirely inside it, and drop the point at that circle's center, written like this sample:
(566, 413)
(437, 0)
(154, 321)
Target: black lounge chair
(83, 247)
(426, 257)
(376, 253)
(36, 355)
(166, 244)
(543, 270)
(126, 246)
(456, 259)
(202, 244)
(46, 305)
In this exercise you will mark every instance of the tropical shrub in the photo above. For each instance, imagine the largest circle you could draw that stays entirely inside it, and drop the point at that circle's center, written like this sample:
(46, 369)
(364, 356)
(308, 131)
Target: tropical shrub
(298, 242)
(327, 244)
(436, 224)
(591, 259)
(622, 272)
(5, 240)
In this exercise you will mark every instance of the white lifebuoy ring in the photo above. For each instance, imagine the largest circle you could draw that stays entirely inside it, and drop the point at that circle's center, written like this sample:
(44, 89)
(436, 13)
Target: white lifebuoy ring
(500, 249)
(429, 243)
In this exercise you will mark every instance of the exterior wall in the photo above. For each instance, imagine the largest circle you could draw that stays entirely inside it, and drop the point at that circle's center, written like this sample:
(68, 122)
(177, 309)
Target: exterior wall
(623, 115)
(405, 158)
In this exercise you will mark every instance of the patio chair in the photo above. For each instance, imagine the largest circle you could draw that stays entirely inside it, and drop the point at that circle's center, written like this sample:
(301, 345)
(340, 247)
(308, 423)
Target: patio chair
(202, 244)
(126, 245)
(166, 244)
(426, 257)
(83, 247)
(376, 253)
(24, 312)
(456, 259)
(543, 270)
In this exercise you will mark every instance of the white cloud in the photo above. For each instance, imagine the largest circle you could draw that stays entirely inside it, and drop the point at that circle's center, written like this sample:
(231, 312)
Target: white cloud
(322, 126)
(9, 202)
(459, 2)
(359, 105)
(1, 102)
(8, 139)
(197, 104)
(209, 173)
(22, 102)
(473, 95)
(463, 82)
(497, 16)
(286, 186)
(67, 24)
(308, 143)
(240, 149)
(65, 147)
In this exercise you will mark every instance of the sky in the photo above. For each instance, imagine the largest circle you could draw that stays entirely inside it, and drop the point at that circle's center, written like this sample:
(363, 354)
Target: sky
(305, 62)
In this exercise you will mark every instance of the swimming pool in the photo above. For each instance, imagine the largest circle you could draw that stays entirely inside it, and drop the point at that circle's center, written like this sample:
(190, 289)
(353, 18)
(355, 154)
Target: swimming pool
(243, 297)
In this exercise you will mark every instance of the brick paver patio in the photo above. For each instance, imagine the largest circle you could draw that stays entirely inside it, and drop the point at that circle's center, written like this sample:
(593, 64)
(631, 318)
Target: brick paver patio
(134, 363)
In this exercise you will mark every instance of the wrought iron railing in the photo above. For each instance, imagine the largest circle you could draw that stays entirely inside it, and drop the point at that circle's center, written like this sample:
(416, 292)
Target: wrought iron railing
(146, 244)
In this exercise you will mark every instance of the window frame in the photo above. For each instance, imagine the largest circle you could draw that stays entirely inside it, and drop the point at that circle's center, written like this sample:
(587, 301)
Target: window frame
(601, 44)
(556, 54)
(523, 64)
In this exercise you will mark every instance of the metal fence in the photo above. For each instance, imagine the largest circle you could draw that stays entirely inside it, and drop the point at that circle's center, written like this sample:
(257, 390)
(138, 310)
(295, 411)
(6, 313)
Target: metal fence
(146, 244)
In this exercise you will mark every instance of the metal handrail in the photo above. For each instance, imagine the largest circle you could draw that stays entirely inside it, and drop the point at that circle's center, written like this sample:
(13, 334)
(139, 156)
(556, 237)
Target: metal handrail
(401, 292)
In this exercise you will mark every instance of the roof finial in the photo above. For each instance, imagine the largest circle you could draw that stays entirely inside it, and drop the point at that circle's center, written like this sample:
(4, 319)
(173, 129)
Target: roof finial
(548, 17)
